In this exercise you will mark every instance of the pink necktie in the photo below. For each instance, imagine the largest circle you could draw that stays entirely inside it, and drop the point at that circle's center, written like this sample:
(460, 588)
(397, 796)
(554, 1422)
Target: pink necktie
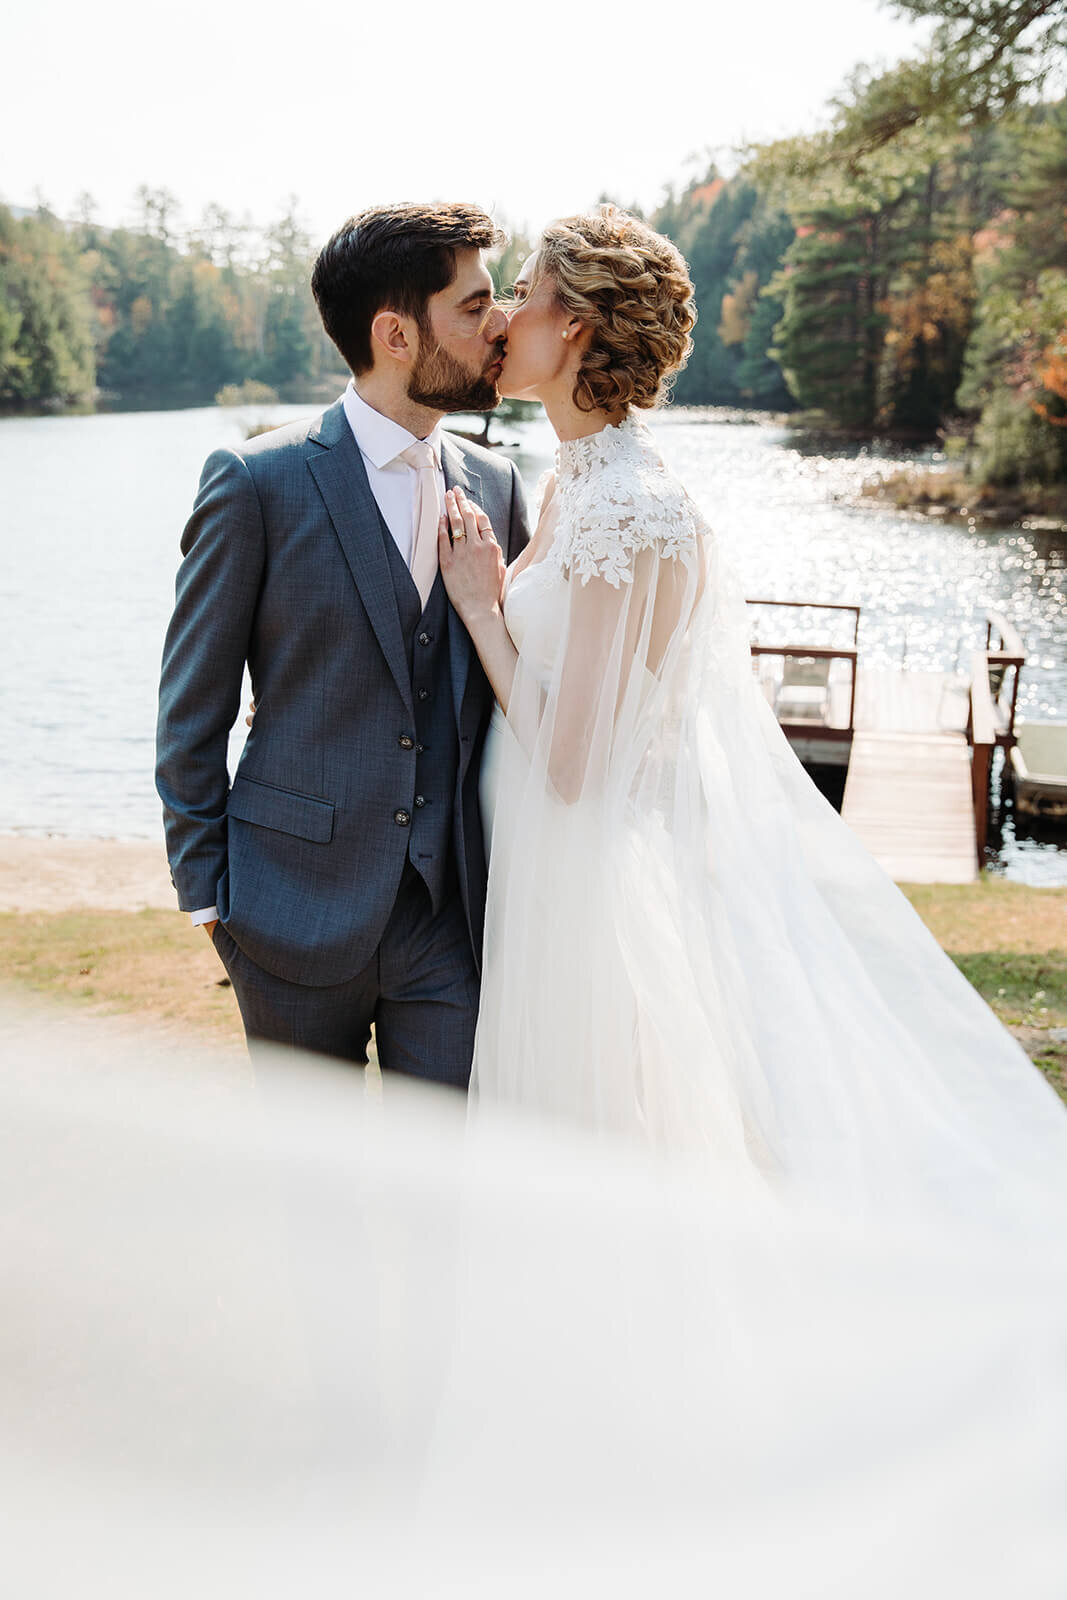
(423, 563)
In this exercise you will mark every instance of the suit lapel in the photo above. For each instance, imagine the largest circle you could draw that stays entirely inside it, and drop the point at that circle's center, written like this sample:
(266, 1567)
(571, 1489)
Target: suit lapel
(458, 470)
(338, 470)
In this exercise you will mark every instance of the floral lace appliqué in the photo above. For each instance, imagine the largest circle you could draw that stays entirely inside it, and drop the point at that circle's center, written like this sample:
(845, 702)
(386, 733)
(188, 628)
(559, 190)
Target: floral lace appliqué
(616, 499)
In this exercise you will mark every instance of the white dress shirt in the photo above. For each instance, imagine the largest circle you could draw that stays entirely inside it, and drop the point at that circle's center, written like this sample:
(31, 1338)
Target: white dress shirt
(392, 482)
(393, 485)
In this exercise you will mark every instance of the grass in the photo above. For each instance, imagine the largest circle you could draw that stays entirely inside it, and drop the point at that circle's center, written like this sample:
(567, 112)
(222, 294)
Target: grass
(146, 964)
(1010, 942)
(1008, 939)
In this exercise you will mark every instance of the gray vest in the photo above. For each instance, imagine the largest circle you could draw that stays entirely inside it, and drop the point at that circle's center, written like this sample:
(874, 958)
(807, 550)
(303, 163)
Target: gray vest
(435, 736)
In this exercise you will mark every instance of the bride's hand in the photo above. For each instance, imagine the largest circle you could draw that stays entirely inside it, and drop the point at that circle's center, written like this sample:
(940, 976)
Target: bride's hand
(471, 561)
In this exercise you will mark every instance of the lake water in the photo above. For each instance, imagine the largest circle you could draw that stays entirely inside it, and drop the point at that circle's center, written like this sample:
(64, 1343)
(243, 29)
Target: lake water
(92, 508)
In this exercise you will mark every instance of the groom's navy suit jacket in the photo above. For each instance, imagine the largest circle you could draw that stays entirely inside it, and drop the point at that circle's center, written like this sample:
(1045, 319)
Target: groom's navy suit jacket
(286, 567)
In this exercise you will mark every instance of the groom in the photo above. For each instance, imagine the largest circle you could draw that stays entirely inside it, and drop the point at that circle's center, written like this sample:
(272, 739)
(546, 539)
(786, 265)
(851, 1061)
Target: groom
(342, 876)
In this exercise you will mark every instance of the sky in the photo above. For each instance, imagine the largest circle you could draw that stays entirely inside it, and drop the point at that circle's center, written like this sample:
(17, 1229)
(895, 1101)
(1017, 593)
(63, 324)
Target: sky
(531, 109)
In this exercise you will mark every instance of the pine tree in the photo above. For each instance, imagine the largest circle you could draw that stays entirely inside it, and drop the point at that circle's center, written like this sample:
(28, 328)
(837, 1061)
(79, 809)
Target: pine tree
(733, 242)
(1011, 369)
(46, 349)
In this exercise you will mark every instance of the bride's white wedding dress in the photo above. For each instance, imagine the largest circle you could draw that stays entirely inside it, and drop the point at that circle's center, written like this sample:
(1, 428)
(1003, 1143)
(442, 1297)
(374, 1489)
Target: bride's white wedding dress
(809, 1339)
(684, 942)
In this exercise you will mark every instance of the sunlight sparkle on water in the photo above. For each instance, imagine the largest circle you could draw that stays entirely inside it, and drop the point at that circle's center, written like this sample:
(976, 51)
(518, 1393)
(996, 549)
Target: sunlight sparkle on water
(78, 685)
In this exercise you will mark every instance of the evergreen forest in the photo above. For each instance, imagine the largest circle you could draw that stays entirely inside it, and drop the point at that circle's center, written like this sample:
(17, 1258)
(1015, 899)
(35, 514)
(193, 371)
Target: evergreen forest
(901, 273)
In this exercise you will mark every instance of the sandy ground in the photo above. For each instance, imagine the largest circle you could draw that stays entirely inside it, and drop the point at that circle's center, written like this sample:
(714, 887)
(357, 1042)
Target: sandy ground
(100, 927)
(98, 874)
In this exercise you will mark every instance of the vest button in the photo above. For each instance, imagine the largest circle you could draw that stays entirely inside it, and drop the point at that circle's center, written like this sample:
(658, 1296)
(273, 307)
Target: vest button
(424, 694)
(420, 800)
(425, 638)
(402, 817)
(419, 748)
(406, 742)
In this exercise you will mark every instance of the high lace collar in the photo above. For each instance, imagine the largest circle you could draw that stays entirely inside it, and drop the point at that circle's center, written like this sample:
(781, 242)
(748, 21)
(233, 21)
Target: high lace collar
(576, 457)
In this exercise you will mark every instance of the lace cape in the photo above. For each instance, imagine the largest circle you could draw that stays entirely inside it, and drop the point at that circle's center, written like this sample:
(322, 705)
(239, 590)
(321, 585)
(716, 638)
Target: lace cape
(616, 499)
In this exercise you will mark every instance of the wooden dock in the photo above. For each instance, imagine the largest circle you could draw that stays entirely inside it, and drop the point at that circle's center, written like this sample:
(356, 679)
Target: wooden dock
(908, 791)
(918, 746)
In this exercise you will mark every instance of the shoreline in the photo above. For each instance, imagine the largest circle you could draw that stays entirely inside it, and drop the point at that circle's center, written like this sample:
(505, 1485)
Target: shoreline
(943, 493)
(56, 873)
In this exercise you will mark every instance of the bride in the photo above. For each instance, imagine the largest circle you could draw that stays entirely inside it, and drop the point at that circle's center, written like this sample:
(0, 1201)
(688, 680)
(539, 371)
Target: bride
(684, 942)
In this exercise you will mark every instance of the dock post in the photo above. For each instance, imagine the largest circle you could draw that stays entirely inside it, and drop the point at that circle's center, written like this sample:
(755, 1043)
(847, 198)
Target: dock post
(981, 768)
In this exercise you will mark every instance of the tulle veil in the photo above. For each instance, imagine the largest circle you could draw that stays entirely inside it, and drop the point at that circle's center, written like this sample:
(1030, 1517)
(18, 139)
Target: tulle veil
(684, 942)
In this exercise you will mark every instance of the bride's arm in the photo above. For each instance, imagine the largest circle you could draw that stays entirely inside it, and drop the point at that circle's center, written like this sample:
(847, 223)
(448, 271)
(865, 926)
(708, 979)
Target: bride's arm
(473, 571)
(616, 636)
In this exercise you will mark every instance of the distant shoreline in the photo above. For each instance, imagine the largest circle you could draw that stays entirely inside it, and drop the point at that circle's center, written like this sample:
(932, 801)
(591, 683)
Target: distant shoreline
(944, 492)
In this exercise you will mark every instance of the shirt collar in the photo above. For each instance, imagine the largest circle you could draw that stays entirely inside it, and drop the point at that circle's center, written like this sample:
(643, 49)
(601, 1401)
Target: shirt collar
(379, 437)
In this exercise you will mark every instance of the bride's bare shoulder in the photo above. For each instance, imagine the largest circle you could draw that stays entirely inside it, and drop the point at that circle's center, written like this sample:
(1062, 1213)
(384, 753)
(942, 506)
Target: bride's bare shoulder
(546, 487)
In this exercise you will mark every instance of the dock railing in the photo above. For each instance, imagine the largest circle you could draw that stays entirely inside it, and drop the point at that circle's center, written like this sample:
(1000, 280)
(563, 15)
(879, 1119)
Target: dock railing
(1005, 660)
(991, 711)
(982, 737)
(815, 653)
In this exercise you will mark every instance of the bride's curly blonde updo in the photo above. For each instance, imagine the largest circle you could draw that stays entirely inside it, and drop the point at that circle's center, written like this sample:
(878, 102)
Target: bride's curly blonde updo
(631, 286)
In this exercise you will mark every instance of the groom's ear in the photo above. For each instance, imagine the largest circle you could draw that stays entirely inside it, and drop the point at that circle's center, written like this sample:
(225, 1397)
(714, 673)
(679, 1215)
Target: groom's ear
(392, 333)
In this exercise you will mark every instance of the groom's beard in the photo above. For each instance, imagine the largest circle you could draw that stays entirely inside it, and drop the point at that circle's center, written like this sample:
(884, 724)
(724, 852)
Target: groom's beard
(442, 383)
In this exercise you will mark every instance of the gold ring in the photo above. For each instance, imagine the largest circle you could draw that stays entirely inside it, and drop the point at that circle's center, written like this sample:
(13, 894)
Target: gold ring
(462, 534)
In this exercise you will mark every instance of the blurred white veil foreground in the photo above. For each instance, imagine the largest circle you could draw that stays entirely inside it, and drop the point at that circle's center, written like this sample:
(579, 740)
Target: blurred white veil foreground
(354, 1342)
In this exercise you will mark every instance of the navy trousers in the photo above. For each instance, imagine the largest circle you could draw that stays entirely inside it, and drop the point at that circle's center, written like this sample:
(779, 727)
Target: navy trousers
(420, 991)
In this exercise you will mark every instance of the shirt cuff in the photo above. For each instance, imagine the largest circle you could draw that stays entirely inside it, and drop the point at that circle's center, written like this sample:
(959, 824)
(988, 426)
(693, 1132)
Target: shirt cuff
(198, 918)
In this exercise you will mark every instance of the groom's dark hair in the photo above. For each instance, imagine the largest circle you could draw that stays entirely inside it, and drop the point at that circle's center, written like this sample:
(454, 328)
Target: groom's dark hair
(392, 258)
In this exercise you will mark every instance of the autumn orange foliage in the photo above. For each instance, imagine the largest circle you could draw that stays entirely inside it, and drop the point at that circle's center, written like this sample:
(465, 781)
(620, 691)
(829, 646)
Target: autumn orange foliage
(1052, 375)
